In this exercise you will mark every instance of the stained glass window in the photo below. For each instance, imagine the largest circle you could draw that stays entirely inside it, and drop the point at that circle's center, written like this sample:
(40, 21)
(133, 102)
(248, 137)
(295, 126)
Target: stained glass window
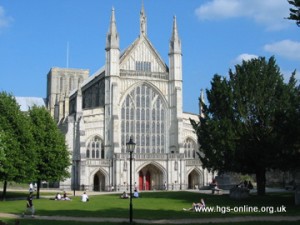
(147, 112)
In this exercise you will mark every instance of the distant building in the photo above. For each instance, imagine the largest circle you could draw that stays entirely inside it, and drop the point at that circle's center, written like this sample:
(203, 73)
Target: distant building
(27, 102)
(135, 94)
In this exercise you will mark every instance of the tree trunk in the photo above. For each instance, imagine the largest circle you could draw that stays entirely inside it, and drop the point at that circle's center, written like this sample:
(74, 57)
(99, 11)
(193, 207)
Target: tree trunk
(261, 181)
(4, 190)
(38, 188)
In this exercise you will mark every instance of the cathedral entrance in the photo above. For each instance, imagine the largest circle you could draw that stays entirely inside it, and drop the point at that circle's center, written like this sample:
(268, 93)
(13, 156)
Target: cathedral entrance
(99, 182)
(150, 178)
(195, 180)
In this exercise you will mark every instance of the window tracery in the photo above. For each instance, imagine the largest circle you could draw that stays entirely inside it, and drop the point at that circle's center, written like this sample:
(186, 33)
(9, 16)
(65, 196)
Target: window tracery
(95, 148)
(146, 121)
(190, 148)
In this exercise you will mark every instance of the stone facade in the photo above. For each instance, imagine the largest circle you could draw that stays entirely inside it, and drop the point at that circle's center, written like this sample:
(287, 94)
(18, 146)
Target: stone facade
(134, 95)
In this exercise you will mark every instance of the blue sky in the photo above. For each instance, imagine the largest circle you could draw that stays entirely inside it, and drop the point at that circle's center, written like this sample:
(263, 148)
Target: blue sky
(215, 35)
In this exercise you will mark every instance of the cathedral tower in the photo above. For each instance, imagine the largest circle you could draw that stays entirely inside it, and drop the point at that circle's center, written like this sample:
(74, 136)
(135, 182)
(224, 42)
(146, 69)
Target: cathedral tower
(175, 89)
(112, 79)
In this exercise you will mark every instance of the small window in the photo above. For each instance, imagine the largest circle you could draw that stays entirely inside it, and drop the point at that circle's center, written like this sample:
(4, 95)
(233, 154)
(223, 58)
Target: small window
(143, 66)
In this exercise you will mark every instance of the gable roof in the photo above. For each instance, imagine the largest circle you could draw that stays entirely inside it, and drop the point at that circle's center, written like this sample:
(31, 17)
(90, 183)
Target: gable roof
(142, 50)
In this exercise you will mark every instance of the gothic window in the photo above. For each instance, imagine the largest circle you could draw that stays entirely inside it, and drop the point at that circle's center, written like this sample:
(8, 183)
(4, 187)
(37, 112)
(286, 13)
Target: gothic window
(147, 113)
(143, 66)
(95, 148)
(72, 105)
(189, 148)
(137, 114)
(94, 96)
(153, 126)
(132, 126)
(123, 114)
(132, 114)
(101, 93)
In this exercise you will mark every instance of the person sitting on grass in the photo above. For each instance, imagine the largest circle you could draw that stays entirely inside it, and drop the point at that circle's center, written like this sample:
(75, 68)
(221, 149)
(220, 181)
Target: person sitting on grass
(65, 197)
(58, 196)
(124, 195)
(84, 197)
(196, 206)
(135, 193)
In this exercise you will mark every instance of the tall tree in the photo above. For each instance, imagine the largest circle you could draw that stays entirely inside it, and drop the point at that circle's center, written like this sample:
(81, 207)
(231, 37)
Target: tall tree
(288, 127)
(53, 156)
(19, 163)
(295, 12)
(3, 141)
(242, 130)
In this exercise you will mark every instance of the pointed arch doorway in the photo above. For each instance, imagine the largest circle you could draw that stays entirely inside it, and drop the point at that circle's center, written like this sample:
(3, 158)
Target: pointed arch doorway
(195, 179)
(99, 182)
(150, 178)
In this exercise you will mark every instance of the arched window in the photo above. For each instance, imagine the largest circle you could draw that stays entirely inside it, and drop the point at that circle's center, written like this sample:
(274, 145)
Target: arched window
(95, 148)
(190, 148)
(148, 113)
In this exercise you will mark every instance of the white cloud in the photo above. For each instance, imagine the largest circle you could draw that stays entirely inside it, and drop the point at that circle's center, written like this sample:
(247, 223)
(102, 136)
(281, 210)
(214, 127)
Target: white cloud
(245, 57)
(270, 13)
(4, 20)
(285, 48)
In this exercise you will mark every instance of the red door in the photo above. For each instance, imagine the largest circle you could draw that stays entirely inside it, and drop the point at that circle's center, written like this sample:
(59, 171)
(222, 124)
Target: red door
(141, 180)
(148, 181)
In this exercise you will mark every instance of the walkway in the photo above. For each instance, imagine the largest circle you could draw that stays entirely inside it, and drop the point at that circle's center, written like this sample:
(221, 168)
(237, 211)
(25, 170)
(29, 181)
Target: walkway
(164, 221)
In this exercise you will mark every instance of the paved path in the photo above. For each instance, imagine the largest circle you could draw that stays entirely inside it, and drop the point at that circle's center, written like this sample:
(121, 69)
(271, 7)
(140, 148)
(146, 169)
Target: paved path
(163, 221)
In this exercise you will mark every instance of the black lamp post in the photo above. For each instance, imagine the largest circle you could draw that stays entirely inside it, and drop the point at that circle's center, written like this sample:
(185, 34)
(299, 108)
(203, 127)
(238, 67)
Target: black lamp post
(130, 148)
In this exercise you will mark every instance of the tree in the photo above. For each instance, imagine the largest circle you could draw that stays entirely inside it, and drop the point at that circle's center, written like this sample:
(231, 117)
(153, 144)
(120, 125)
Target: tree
(53, 156)
(17, 143)
(288, 127)
(295, 12)
(3, 140)
(243, 127)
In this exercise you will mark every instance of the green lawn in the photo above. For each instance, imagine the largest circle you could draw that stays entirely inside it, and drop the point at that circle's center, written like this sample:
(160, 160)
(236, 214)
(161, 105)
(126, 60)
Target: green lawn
(151, 205)
(39, 222)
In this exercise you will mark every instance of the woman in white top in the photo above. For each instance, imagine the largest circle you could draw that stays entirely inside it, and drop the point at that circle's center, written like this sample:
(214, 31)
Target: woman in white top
(84, 197)
(58, 196)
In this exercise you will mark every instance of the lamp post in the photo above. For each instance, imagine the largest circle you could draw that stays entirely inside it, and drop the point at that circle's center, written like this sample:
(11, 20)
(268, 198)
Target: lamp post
(130, 148)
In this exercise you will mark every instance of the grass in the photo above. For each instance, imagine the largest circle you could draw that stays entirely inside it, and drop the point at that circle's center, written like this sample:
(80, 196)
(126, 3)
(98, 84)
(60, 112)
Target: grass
(38, 222)
(151, 205)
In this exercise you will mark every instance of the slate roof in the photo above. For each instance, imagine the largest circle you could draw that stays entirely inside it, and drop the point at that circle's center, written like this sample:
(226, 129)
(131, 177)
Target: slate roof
(27, 102)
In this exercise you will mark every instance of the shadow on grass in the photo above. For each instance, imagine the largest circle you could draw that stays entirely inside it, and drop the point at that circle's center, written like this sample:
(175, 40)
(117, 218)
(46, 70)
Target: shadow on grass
(45, 222)
(153, 205)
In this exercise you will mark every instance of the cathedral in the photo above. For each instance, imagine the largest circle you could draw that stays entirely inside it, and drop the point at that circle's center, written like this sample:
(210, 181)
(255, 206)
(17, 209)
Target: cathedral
(135, 94)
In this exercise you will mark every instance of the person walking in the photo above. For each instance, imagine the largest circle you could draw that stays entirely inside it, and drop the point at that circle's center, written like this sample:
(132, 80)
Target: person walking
(29, 205)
